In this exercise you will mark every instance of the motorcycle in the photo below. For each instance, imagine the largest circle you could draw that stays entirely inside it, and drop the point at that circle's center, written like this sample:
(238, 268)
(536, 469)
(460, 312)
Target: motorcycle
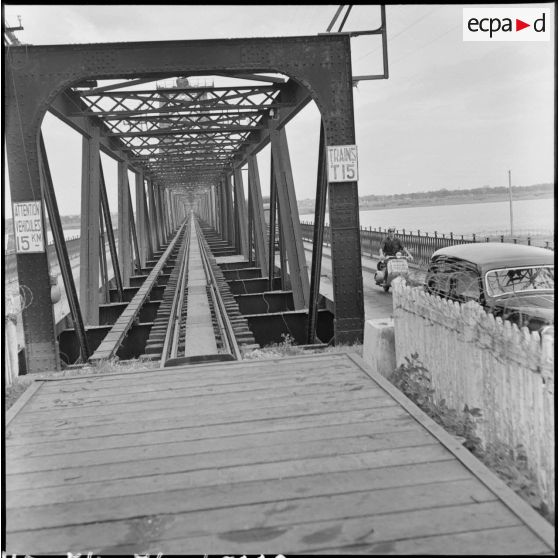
(397, 266)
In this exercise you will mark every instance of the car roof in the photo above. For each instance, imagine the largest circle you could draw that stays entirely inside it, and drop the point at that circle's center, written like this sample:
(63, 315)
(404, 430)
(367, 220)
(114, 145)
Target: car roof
(491, 255)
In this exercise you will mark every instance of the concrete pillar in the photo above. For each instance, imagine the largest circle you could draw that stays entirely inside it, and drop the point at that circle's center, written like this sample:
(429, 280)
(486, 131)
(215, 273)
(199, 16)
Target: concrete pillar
(379, 346)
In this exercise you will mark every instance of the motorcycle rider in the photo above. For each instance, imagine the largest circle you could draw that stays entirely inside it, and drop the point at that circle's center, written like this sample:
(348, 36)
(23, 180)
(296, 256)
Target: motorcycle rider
(390, 246)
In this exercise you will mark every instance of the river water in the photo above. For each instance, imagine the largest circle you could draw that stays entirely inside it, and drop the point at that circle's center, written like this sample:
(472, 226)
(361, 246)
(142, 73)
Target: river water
(535, 217)
(530, 217)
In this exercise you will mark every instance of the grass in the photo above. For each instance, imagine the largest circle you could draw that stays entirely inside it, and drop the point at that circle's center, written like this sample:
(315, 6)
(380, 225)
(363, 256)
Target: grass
(510, 464)
(288, 347)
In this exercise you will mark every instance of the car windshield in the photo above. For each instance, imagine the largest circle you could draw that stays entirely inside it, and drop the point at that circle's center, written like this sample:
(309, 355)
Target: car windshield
(519, 279)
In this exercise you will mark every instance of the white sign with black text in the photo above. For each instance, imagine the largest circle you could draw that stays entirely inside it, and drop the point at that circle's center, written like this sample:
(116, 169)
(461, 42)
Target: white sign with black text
(28, 227)
(342, 163)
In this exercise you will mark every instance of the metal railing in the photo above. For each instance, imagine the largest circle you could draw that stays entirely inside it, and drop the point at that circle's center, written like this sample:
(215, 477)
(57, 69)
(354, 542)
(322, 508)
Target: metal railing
(421, 244)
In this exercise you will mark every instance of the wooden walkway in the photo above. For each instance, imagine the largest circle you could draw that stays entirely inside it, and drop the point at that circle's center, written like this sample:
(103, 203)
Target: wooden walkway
(308, 454)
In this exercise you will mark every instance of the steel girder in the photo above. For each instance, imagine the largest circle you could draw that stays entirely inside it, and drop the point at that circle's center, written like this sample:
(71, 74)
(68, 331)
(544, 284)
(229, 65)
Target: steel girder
(319, 68)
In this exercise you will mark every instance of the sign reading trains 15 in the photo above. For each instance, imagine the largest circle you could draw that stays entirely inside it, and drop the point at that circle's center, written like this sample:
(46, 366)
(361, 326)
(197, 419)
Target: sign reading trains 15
(28, 227)
(342, 163)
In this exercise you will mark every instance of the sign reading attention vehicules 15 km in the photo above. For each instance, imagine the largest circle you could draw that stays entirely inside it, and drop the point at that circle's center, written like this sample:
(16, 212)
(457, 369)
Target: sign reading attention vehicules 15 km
(342, 163)
(28, 227)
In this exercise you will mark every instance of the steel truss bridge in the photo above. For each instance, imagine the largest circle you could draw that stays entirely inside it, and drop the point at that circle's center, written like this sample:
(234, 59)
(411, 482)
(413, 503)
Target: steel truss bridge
(186, 144)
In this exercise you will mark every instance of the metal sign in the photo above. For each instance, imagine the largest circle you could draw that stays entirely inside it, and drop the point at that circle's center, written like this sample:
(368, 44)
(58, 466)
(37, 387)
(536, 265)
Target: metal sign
(342, 163)
(28, 227)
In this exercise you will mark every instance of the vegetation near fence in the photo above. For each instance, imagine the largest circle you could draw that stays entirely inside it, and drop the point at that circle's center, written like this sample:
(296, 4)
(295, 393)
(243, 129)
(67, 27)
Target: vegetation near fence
(421, 244)
(477, 361)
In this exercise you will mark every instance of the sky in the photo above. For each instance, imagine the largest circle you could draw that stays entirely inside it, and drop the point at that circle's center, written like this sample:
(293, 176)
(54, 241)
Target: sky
(453, 114)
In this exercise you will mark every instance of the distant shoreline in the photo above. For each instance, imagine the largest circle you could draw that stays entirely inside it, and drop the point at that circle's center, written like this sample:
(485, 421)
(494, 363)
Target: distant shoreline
(363, 206)
(452, 201)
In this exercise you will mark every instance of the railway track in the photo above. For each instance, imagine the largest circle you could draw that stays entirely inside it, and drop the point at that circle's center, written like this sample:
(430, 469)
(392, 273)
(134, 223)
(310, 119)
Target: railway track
(198, 319)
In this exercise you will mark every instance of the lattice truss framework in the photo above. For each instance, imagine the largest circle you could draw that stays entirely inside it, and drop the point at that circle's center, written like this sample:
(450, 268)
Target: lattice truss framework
(184, 135)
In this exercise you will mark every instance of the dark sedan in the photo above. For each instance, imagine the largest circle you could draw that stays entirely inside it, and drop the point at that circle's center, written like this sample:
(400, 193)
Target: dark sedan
(513, 281)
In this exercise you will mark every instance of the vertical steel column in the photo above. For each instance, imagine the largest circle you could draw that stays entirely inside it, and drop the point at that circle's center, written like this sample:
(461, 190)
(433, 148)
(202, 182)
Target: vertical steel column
(229, 210)
(272, 223)
(224, 210)
(288, 214)
(62, 253)
(163, 211)
(153, 216)
(214, 206)
(124, 244)
(89, 237)
(140, 219)
(170, 211)
(148, 230)
(21, 134)
(240, 211)
(285, 281)
(103, 260)
(258, 213)
(318, 239)
(136, 262)
(110, 232)
(250, 225)
(172, 224)
(218, 212)
(157, 203)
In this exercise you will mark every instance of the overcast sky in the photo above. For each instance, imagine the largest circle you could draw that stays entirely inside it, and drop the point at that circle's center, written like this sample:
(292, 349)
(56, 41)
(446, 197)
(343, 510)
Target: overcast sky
(452, 114)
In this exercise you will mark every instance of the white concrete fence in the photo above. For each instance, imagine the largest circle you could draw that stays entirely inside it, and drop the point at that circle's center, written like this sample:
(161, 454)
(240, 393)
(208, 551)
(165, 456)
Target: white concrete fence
(478, 361)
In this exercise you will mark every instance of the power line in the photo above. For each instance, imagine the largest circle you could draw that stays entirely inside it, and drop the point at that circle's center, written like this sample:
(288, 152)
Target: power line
(391, 39)
(426, 44)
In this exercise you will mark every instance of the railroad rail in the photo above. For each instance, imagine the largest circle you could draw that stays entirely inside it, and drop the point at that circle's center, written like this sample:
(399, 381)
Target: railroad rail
(198, 327)
(197, 318)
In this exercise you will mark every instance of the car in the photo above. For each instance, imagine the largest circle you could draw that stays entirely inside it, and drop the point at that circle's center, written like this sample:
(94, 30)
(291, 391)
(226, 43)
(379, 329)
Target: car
(513, 281)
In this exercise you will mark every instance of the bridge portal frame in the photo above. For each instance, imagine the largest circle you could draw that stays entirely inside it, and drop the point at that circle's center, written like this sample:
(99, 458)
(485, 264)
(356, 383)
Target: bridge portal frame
(319, 68)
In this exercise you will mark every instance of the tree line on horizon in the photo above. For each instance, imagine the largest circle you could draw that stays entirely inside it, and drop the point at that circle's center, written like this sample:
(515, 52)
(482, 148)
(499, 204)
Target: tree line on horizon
(535, 189)
(465, 192)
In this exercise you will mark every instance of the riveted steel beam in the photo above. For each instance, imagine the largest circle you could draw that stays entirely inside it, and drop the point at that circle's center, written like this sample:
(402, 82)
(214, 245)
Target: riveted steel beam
(141, 219)
(65, 103)
(318, 239)
(184, 131)
(290, 224)
(258, 214)
(241, 213)
(318, 68)
(89, 234)
(62, 253)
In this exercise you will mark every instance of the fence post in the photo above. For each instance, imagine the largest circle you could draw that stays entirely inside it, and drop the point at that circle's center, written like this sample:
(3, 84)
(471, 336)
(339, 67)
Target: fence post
(529, 241)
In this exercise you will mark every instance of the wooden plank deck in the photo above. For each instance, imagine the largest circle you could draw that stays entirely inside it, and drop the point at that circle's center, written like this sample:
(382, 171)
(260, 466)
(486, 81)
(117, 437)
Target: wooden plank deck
(309, 454)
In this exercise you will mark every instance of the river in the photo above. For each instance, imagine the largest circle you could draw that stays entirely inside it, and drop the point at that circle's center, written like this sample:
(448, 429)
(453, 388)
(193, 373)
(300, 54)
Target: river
(535, 217)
